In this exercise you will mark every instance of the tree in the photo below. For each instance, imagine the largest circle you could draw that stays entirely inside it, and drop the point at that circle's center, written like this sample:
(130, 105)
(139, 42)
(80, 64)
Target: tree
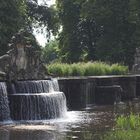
(69, 14)
(135, 18)
(24, 14)
(12, 18)
(116, 30)
(50, 52)
(104, 30)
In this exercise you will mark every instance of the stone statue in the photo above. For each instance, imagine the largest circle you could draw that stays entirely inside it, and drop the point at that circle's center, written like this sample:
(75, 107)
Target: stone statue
(136, 66)
(23, 61)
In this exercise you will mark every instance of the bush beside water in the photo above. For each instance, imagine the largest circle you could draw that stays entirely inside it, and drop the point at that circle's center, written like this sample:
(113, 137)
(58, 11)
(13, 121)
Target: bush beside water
(87, 69)
(127, 128)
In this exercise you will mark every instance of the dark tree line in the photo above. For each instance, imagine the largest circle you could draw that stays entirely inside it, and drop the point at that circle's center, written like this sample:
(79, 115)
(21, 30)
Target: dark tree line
(106, 30)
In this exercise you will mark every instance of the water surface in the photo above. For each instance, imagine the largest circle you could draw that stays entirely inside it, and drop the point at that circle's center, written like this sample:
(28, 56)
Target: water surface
(86, 124)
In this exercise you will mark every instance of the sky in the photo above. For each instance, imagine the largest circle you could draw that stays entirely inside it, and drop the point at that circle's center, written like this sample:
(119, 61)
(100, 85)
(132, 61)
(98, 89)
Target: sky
(40, 37)
(49, 2)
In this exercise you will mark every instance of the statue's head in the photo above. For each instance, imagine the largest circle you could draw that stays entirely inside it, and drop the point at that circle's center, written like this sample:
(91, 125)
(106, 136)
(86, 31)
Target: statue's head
(24, 38)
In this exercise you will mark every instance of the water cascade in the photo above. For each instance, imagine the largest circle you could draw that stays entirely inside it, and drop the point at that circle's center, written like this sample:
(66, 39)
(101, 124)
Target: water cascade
(4, 103)
(37, 100)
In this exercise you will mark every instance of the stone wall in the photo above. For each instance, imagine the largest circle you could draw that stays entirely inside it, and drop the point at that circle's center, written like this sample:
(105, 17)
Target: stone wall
(76, 91)
(80, 92)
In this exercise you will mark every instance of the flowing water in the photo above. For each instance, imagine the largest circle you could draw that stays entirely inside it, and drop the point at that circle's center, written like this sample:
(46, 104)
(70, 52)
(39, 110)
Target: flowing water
(86, 124)
(38, 112)
(4, 107)
(37, 100)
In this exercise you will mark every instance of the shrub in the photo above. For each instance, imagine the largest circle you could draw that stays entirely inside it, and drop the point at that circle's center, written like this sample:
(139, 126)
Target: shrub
(127, 128)
(77, 69)
(128, 122)
(116, 69)
(87, 69)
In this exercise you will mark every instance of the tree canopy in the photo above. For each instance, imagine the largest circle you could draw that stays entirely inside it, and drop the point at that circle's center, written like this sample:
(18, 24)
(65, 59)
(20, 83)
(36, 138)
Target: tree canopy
(105, 30)
(23, 14)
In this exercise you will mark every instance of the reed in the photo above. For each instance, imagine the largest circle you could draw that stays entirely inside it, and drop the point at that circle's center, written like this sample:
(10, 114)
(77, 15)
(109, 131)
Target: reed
(87, 69)
(127, 128)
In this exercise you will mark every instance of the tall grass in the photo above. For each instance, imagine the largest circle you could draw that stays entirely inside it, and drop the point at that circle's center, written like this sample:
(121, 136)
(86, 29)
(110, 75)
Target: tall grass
(127, 128)
(87, 69)
(123, 135)
(128, 122)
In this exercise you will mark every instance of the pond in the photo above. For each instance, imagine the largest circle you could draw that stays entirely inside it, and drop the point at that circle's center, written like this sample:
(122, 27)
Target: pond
(86, 124)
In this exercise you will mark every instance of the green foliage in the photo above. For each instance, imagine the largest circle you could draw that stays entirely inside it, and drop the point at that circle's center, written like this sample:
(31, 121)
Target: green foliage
(103, 30)
(43, 17)
(93, 30)
(127, 128)
(50, 52)
(115, 43)
(12, 18)
(56, 69)
(128, 122)
(86, 69)
(24, 14)
(69, 42)
(116, 69)
(97, 68)
(77, 69)
(123, 135)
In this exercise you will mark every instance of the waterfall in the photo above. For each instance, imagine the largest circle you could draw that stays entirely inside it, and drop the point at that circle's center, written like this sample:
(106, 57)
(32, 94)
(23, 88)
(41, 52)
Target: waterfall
(37, 100)
(55, 85)
(40, 86)
(4, 103)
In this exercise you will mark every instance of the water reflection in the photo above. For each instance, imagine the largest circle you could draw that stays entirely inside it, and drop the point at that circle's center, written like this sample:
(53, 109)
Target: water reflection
(45, 135)
(4, 135)
(29, 135)
(87, 124)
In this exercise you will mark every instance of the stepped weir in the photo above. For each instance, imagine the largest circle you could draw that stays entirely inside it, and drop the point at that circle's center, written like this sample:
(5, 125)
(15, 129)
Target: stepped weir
(37, 100)
(32, 100)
